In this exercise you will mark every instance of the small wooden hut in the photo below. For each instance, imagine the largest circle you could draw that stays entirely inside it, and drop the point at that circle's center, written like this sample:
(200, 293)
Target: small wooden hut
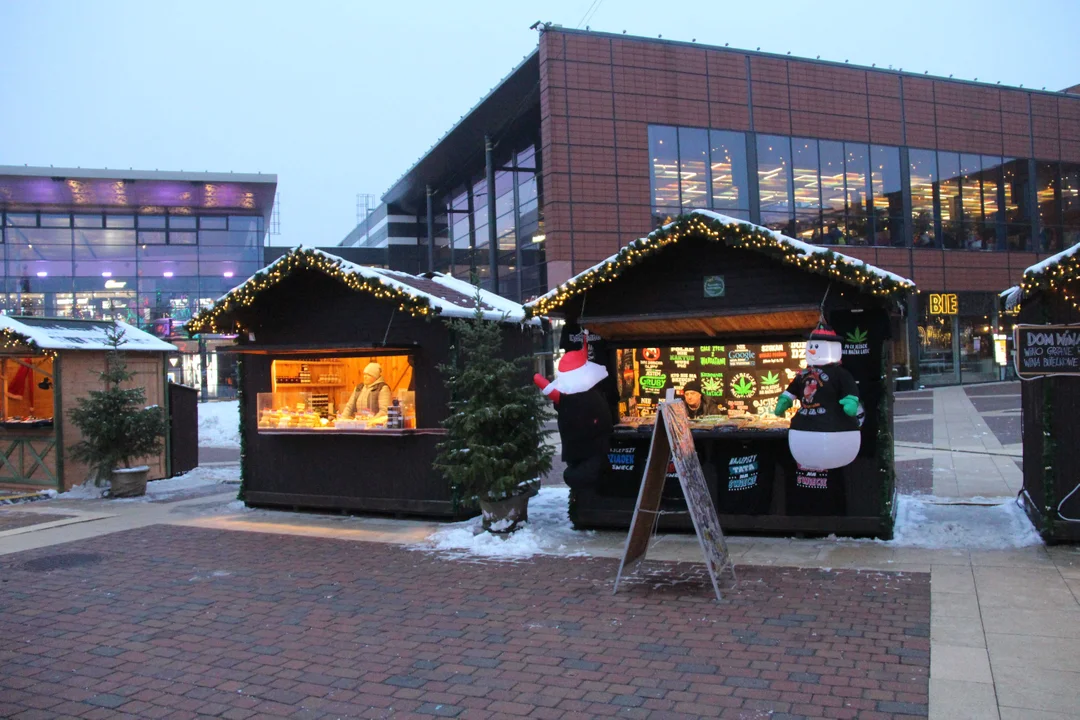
(46, 364)
(724, 308)
(1046, 355)
(309, 326)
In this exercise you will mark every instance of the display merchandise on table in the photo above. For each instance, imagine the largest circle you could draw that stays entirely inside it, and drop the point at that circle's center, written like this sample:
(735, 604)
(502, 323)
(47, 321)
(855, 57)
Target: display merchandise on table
(727, 387)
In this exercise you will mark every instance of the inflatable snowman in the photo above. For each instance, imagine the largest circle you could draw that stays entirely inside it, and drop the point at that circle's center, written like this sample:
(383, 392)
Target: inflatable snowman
(825, 432)
(584, 416)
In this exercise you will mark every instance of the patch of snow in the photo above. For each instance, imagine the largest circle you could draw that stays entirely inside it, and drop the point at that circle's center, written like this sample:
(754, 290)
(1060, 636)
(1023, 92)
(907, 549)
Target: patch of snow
(59, 334)
(1052, 261)
(926, 521)
(548, 532)
(219, 424)
(164, 489)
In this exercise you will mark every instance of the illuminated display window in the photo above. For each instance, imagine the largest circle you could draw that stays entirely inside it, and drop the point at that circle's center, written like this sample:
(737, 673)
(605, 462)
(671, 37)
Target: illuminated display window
(734, 384)
(339, 394)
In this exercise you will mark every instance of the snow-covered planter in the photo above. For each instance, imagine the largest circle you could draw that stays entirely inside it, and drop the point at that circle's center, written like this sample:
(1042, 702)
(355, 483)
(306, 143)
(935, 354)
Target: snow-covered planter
(128, 482)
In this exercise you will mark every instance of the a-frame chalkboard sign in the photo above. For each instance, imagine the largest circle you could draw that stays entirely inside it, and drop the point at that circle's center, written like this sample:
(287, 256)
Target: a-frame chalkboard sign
(672, 439)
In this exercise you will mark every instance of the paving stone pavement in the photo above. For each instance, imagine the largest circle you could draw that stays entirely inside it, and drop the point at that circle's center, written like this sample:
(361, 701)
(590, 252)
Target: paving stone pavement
(170, 621)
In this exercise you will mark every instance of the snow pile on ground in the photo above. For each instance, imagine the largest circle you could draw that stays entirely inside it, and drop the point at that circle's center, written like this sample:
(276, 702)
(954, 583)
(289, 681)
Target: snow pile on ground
(219, 424)
(547, 532)
(163, 489)
(924, 521)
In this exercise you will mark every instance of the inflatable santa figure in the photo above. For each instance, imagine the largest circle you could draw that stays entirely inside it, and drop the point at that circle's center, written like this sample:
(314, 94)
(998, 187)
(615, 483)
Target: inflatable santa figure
(825, 432)
(583, 415)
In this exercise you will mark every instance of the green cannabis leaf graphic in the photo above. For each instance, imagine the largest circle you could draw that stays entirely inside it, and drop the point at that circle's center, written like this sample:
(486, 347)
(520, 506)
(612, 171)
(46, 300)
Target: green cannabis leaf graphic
(856, 336)
(770, 378)
(712, 386)
(743, 386)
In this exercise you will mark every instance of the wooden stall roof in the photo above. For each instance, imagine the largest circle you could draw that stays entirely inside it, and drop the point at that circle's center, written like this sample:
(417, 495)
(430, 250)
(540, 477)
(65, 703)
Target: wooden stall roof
(1057, 273)
(732, 233)
(686, 325)
(59, 334)
(431, 294)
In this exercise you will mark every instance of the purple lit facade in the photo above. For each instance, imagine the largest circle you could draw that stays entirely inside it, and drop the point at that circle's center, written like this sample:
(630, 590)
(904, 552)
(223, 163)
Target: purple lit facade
(148, 248)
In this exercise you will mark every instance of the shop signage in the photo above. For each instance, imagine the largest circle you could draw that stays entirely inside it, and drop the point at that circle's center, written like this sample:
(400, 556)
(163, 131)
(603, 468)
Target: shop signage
(1001, 349)
(1046, 350)
(672, 439)
(715, 286)
(944, 304)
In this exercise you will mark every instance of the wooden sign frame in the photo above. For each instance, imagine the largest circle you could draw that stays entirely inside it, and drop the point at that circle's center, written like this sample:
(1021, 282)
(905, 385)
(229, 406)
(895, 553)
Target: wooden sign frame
(1026, 375)
(672, 439)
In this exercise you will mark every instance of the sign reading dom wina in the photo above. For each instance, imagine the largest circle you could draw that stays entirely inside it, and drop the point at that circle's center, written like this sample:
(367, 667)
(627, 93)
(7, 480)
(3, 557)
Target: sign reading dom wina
(1047, 350)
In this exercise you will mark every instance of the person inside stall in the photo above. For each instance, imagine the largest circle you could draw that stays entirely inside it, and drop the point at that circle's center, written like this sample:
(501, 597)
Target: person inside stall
(372, 396)
(696, 405)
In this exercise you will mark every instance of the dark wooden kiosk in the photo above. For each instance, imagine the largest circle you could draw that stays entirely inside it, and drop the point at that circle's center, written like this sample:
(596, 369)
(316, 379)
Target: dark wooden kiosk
(728, 305)
(1047, 359)
(308, 326)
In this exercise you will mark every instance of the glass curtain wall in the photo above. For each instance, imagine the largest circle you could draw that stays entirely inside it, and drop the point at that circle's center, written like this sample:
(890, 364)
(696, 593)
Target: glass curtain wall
(461, 240)
(152, 271)
(836, 193)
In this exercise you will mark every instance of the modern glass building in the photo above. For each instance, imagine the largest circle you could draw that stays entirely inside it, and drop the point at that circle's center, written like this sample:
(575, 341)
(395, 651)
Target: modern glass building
(148, 248)
(957, 185)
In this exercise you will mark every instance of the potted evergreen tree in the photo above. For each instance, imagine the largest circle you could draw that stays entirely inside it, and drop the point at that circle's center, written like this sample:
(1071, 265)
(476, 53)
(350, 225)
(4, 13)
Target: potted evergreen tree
(494, 452)
(117, 427)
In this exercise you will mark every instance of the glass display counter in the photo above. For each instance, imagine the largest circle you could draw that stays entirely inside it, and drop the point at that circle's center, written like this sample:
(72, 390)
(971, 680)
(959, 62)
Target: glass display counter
(364, 394)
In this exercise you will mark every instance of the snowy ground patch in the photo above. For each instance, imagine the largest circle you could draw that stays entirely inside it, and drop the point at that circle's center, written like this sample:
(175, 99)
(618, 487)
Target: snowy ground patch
(548, 532)
(164, 489)
(925, 521)
(219, 424)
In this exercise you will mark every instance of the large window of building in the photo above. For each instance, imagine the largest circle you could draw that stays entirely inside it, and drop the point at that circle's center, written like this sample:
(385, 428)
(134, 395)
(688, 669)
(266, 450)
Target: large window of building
(727, 158)
(774, 182)
(888, 197)
(664, 159)
(924, 184)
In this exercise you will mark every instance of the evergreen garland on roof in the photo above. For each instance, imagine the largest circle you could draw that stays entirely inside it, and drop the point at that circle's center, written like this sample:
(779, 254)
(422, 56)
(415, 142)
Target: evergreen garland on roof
(743, 235)
(244, 295)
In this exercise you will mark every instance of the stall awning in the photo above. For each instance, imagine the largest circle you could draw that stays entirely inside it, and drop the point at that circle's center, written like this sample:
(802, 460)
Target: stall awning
(673, 325)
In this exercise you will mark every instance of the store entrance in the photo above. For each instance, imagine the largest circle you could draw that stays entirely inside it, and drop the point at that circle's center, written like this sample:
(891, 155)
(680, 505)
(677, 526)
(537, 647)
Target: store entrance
(957, 339)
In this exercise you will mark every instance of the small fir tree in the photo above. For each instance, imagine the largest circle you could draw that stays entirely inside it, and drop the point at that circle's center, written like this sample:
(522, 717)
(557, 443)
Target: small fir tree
(495, 444)
(116, 425)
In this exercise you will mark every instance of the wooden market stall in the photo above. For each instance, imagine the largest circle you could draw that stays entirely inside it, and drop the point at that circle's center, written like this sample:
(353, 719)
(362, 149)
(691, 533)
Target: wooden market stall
(46, 364)
(1046, 354)
(313, 433)
(724, 308)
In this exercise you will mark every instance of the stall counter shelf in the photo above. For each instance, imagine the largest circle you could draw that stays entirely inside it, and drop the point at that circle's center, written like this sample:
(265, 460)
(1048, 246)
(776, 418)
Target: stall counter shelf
(352, 431)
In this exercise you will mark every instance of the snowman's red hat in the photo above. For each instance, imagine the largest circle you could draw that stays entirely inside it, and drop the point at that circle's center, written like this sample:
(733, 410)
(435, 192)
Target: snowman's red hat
(576, 373)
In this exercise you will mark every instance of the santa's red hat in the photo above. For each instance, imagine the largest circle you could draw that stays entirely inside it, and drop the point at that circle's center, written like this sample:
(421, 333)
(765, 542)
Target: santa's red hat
(576, 374)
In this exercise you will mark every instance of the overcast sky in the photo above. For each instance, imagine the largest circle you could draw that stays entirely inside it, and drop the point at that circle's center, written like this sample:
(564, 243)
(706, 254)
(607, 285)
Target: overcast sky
(340, 98)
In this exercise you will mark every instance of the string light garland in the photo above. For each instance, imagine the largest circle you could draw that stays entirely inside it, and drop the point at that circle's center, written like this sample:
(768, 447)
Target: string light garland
(212, 320)
(1056, 277)
(13, 340)
(744, 236)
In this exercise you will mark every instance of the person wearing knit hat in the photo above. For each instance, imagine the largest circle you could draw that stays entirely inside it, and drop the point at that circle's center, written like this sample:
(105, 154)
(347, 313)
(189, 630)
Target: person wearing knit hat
(824, 433)
(695, 403)
(372, 395)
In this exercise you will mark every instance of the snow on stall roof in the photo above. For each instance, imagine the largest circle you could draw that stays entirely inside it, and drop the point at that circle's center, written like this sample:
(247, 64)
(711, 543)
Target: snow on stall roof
(67, 334)
(454, 299)
(1052, 261)
(805, 247)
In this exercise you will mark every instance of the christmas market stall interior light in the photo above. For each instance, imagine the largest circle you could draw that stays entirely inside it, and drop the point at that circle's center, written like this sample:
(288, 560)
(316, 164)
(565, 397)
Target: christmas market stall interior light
(341, 398)
(719, 311)
(1046, 356)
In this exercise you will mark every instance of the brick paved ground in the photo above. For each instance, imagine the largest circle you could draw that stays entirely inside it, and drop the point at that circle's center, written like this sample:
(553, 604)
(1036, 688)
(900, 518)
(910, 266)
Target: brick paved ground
(183, 622)
(12, 519)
